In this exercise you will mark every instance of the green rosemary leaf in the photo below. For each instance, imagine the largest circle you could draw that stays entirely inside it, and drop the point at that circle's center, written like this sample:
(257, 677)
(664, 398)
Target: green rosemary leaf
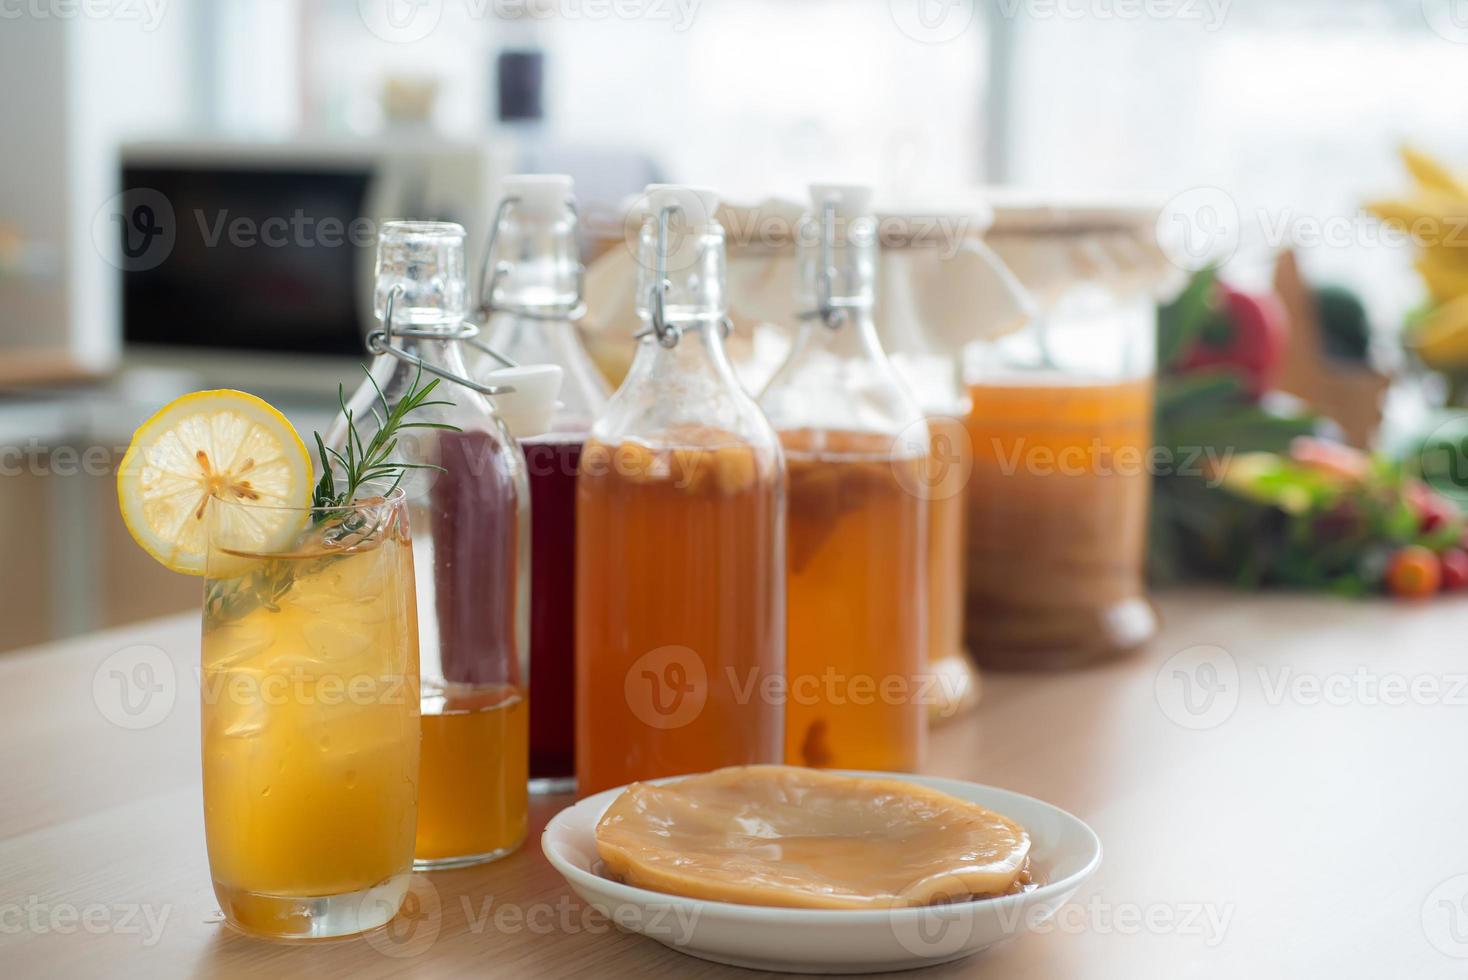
(370, 462)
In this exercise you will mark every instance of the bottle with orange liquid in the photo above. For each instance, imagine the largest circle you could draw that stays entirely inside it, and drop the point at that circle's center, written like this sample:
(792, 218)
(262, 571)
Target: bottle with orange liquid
(1060, 422)
(680, 535)
(857, 450)
(468, 502)
(532, 299)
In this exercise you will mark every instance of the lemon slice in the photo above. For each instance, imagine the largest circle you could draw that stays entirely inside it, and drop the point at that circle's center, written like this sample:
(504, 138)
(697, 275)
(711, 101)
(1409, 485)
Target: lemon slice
(227, 445)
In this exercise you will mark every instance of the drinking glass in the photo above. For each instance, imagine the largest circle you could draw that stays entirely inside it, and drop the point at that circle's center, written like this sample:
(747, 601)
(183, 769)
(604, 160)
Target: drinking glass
(311, 719)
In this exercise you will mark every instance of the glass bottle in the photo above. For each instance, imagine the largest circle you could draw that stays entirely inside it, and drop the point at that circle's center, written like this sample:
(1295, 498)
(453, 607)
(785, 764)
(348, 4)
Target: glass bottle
(680, 535)
(532, 299)
(856, 446)
(469, 508)
(1061, 425)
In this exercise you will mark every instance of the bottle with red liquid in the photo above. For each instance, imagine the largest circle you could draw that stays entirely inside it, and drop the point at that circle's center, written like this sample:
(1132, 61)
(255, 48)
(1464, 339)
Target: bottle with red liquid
(531, 296)
(468, 501)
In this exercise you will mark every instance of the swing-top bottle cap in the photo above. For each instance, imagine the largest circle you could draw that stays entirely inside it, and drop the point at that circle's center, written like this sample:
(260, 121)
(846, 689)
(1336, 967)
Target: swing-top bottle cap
(850, 201)
(541, 194)
(420, 264)
(680, 275)
(528, 410)
(697, 205)
(837, 263)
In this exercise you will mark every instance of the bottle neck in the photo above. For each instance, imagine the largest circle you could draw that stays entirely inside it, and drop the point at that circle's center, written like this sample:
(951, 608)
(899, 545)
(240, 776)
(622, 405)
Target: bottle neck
(855, 338)
(699, 353)
(534, 263)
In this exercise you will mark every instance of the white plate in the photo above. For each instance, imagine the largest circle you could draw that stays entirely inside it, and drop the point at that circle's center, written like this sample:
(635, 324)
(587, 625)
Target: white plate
(1064, 852)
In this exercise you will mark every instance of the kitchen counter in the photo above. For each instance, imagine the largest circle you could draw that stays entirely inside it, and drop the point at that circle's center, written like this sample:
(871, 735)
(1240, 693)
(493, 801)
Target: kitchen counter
(1278, 783)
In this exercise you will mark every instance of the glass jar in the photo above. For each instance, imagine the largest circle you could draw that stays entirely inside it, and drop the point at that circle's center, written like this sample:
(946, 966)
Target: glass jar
(1060, 421)
(469, 502)
(531, 303)
(857, 449)
(680, 536)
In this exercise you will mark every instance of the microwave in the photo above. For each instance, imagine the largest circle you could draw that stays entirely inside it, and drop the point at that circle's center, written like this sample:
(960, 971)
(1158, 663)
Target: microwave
(270, 256)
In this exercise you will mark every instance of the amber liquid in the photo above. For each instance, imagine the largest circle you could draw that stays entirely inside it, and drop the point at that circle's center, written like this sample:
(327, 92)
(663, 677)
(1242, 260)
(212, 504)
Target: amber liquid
(949, 464)
(1058, 522)
(857, 573)
(679, 611)
(472, 796)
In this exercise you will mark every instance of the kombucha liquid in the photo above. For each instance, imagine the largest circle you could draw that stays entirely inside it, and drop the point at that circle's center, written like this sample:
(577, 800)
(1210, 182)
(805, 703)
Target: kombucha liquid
(551, 462)
(857, 570)
(679, 609)
(472, 796)
(1058, 522)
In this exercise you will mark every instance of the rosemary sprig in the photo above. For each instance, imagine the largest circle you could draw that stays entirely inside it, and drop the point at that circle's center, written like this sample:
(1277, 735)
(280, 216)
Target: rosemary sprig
(371, 462)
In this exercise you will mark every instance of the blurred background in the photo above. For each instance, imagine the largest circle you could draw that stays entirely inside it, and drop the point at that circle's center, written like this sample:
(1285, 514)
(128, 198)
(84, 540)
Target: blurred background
(136, 133)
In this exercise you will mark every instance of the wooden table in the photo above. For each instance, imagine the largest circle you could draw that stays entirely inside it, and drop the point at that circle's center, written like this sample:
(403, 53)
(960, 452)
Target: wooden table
(1310, 820)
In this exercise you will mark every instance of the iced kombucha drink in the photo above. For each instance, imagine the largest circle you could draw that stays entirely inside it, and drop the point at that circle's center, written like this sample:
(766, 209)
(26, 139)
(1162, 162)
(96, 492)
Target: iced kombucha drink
(1057, 521)
(678, 615)
(856, 568)
(310, 731)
